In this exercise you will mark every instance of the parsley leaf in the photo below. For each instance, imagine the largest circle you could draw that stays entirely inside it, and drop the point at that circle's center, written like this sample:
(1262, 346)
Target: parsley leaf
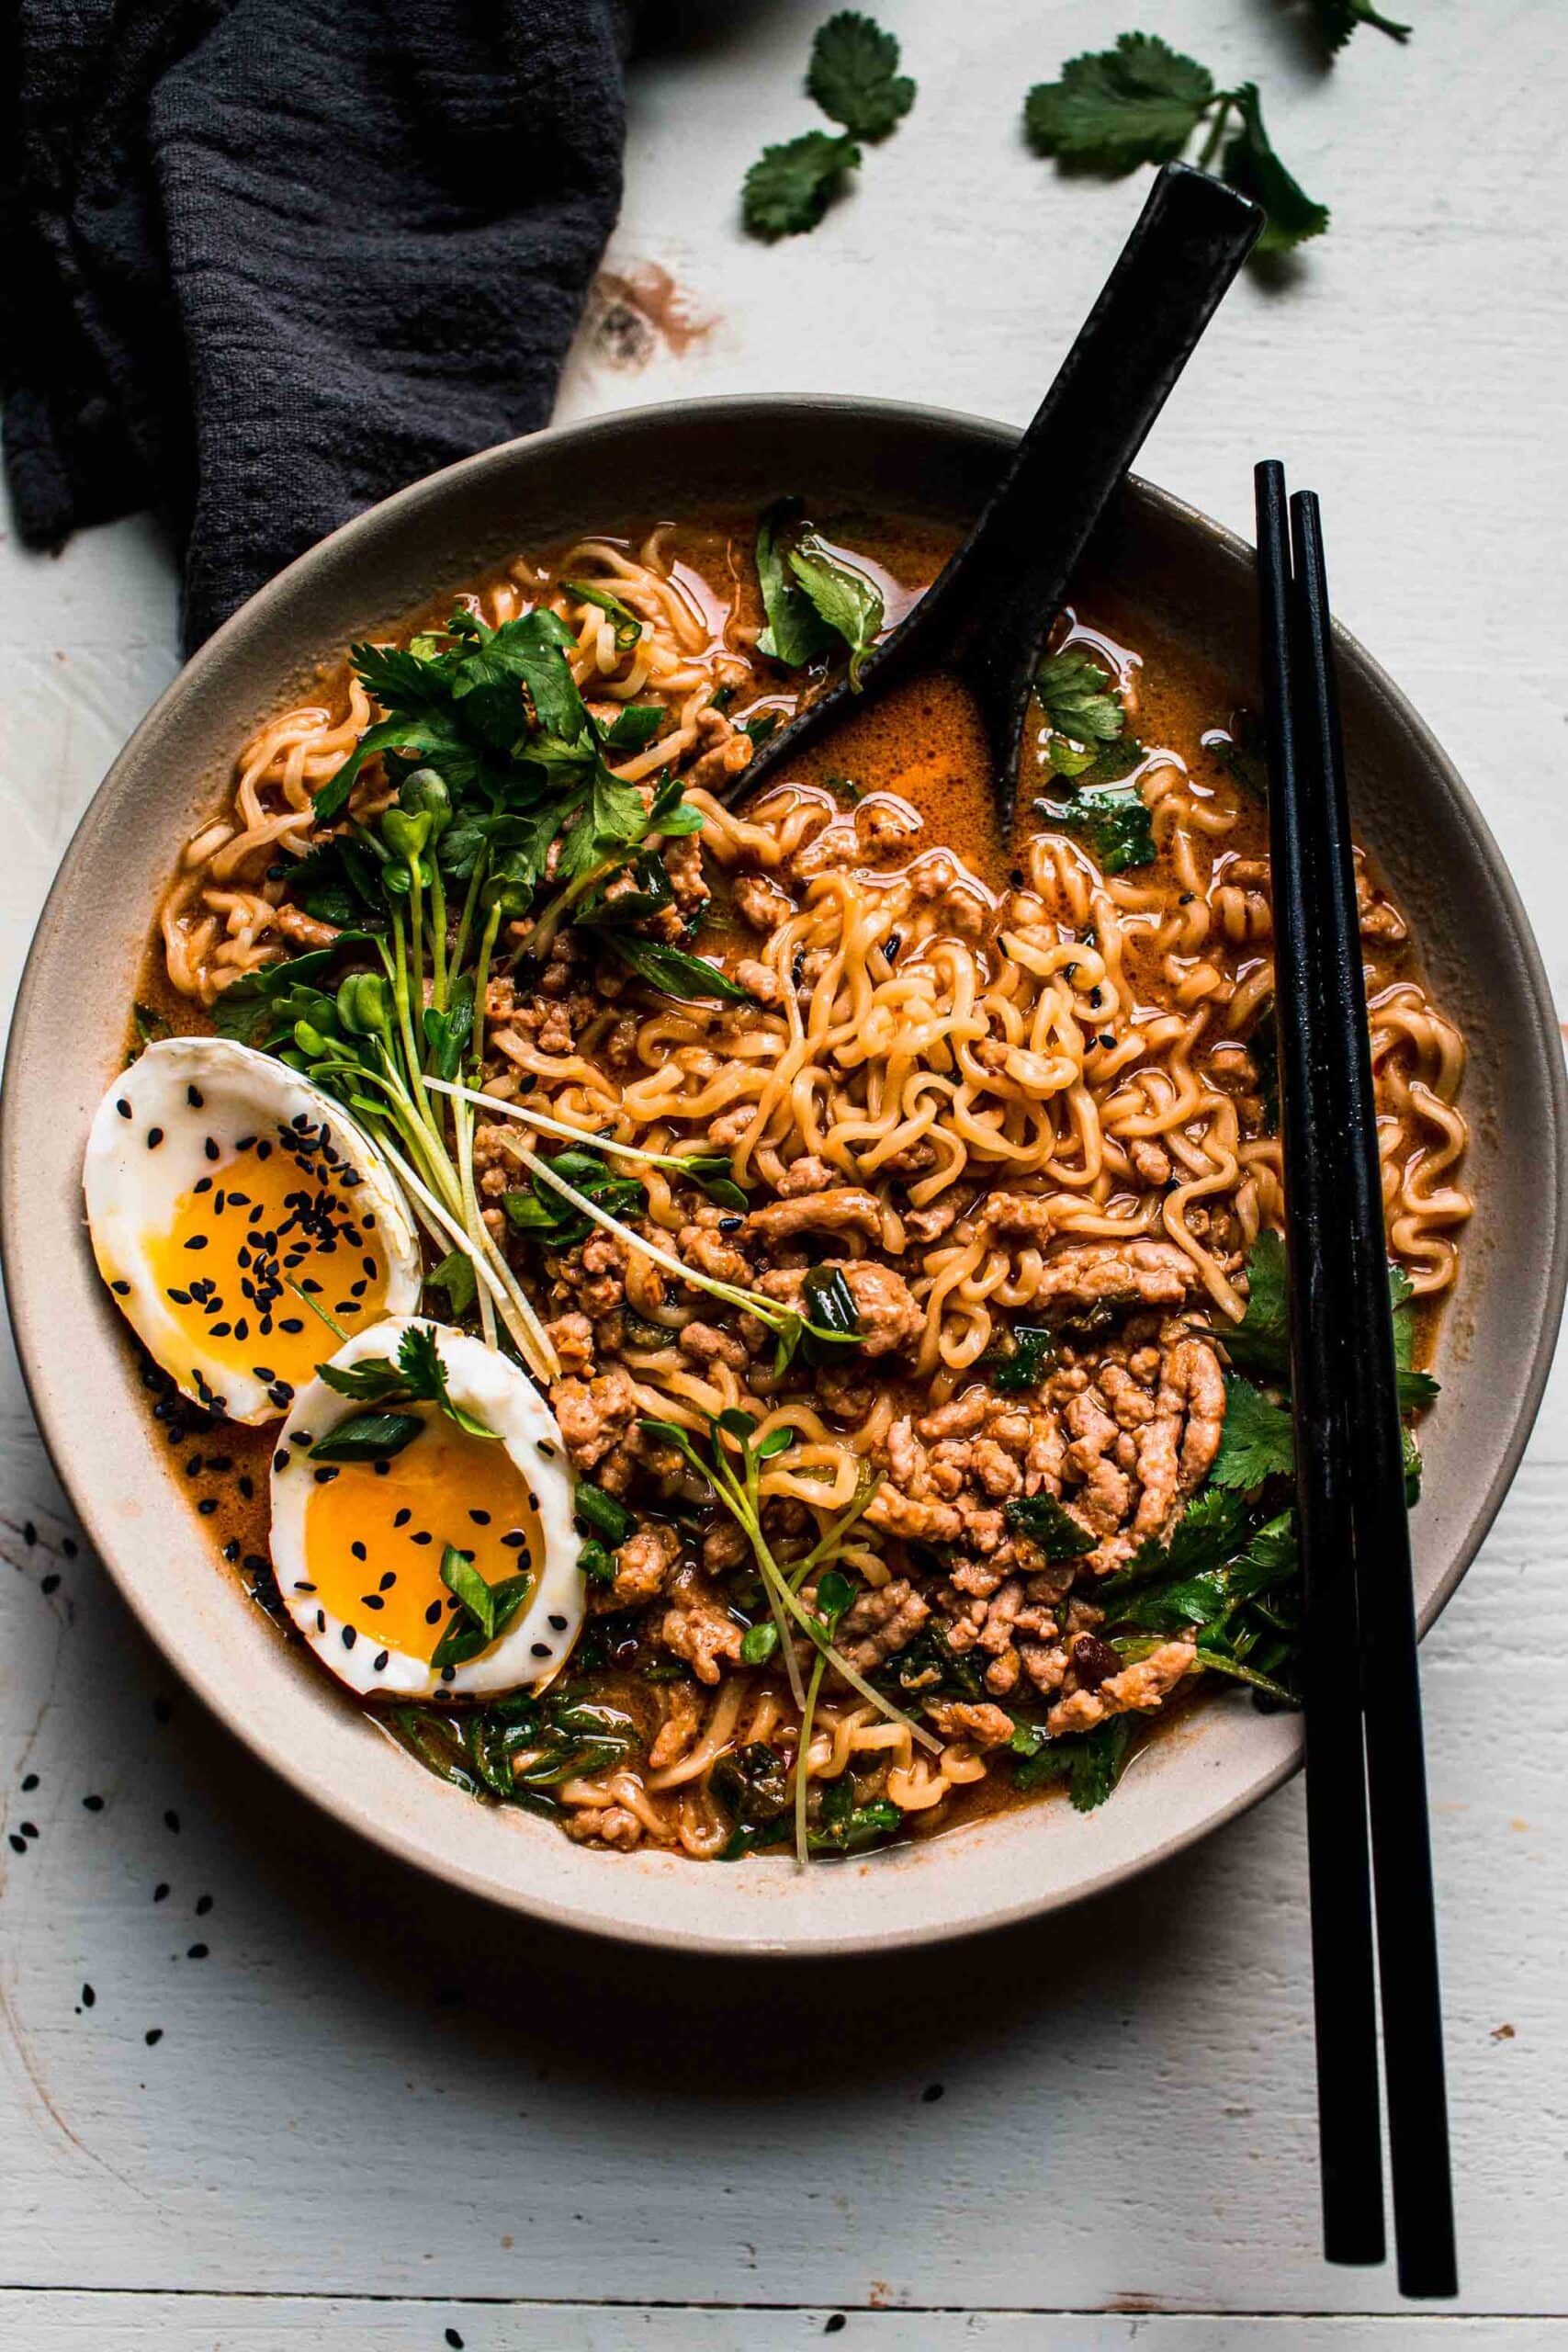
(854, 76)
(1258, 1442)
(1252, 167)
(1138, 103)
(1111, 822)
(788, 188)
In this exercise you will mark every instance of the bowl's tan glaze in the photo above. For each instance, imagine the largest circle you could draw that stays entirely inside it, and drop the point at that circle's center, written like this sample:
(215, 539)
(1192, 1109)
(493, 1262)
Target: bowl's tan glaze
(70, 1024)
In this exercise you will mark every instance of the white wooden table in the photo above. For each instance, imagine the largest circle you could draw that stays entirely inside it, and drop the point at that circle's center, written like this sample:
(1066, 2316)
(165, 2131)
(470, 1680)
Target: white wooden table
(375, 2113)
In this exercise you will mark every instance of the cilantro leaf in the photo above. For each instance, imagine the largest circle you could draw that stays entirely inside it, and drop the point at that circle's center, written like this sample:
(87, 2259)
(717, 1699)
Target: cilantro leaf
(456, 1276)
(1034, 1352)
(612, 819)
(1258, 1442)
(1079, 698)
(788, 188)
(1207, 1534)
(1099, 1763)
(1260, 1342)
(1044, 1521)
(795, 632)
(1138, 103)
(1337, 19)
(854, 76)
(635, 725)
(846, 599)
(675, 973)
(1110, 821)
(1251, 166)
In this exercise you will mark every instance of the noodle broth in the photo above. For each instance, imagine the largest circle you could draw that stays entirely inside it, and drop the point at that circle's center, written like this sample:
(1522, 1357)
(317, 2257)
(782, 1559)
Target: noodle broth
(1015, 1097)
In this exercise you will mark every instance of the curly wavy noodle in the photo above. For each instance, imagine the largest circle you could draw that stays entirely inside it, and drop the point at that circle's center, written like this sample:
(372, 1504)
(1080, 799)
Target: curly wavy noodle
(1086, 1039)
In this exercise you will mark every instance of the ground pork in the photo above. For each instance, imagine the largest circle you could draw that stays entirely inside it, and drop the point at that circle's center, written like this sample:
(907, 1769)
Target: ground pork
(594, 1415)
(1143, 1686)
(761, 902)
(602, 1825)
(683, 1714)
(843, 1209)
(642, 1564)
(986, 1726)
(879, 1623)
(891, 1318)
(698, 1628)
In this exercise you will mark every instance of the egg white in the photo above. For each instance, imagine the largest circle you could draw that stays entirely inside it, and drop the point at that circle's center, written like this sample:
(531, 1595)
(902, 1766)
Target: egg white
(491, 1386)
(131, 1191)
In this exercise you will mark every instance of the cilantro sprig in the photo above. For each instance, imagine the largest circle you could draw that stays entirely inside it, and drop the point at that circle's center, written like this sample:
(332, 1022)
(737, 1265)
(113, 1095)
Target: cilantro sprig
(853, 76)
(1142, 102)
(418, 1377)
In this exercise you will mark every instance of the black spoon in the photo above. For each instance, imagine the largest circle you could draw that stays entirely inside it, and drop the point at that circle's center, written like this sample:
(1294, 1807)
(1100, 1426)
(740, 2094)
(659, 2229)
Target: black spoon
(985, 615)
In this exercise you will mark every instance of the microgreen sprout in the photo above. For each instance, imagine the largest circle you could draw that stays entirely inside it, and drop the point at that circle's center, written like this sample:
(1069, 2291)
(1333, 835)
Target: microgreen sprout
(788, 1325)
(732, 1467)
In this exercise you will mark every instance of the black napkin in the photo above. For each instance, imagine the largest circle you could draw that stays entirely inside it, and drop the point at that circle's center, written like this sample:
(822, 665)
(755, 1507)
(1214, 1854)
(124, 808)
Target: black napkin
(263, 261)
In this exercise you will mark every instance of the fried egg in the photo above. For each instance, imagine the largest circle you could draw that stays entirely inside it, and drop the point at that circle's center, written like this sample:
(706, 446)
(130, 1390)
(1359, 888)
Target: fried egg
(217, 1177)
(358, 1546)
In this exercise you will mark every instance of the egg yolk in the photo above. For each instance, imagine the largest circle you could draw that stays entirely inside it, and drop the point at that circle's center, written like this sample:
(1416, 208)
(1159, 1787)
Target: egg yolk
(375, 1532)
(276, 1210)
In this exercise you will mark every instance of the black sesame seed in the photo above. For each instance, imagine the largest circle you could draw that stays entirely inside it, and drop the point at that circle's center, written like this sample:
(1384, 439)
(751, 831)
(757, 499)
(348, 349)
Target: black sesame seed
(423, 1536)
(89, 1997)
(50, 1583)
(380, 1660)
(18, 1845)
(196, 1242)
(121, 1290)
(382, 1469)
(931, 2094)
(538, 1649)
(547, 1449)
(371, 1600)
(448, 1674)
(28, 1828)
(433, 1614)
(154, 1137)
(30, 1784)
(402, 1517)
(172, 1821)
(557, 1624)
(280, 1459)
(325, 1474)
(193, 1096)
(454, 2340)
(359, 1551)
(203, 1184)
(210, 1149)
(123, 1107)
(480, 1518)
(349, 1638)
(161, 1892)
(207, 1505)
(231, 1551)
(203, 1906)
(197, 1952)
(388, 1581)
(514, 1539)
(92, 1804)
(321, 1621)
(154, 2035)
(300, 1586)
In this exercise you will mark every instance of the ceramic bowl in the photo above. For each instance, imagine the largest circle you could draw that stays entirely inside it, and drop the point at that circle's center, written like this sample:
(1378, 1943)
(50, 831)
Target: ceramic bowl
(615, 472)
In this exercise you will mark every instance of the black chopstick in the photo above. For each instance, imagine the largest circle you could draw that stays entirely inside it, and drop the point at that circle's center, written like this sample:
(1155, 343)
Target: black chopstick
(1396, 1776)
(1359, 1667)
(1345, 2008)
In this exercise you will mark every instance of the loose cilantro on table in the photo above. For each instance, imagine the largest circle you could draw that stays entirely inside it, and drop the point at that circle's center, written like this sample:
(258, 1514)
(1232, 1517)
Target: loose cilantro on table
(790, 187)
(1337, 19)
(1140, 102)
(853, 75)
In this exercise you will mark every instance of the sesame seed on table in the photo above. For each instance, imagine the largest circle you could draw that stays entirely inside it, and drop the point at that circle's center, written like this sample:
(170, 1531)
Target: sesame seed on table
(260, 2087)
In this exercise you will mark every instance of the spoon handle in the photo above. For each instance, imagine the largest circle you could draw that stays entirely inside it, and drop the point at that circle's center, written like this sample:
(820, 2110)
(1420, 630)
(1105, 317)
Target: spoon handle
(990, 608)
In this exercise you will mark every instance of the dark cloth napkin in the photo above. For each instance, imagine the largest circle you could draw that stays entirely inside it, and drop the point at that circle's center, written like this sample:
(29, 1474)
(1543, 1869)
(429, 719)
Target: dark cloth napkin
(264, 261)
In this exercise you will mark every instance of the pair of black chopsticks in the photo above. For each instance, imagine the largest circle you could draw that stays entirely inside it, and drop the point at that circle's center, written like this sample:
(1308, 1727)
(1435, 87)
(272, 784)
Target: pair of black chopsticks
(1366, 1775)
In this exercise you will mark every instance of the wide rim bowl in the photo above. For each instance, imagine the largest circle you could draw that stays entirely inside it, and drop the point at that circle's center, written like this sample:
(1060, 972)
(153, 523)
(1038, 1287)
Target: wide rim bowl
(609, 473)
